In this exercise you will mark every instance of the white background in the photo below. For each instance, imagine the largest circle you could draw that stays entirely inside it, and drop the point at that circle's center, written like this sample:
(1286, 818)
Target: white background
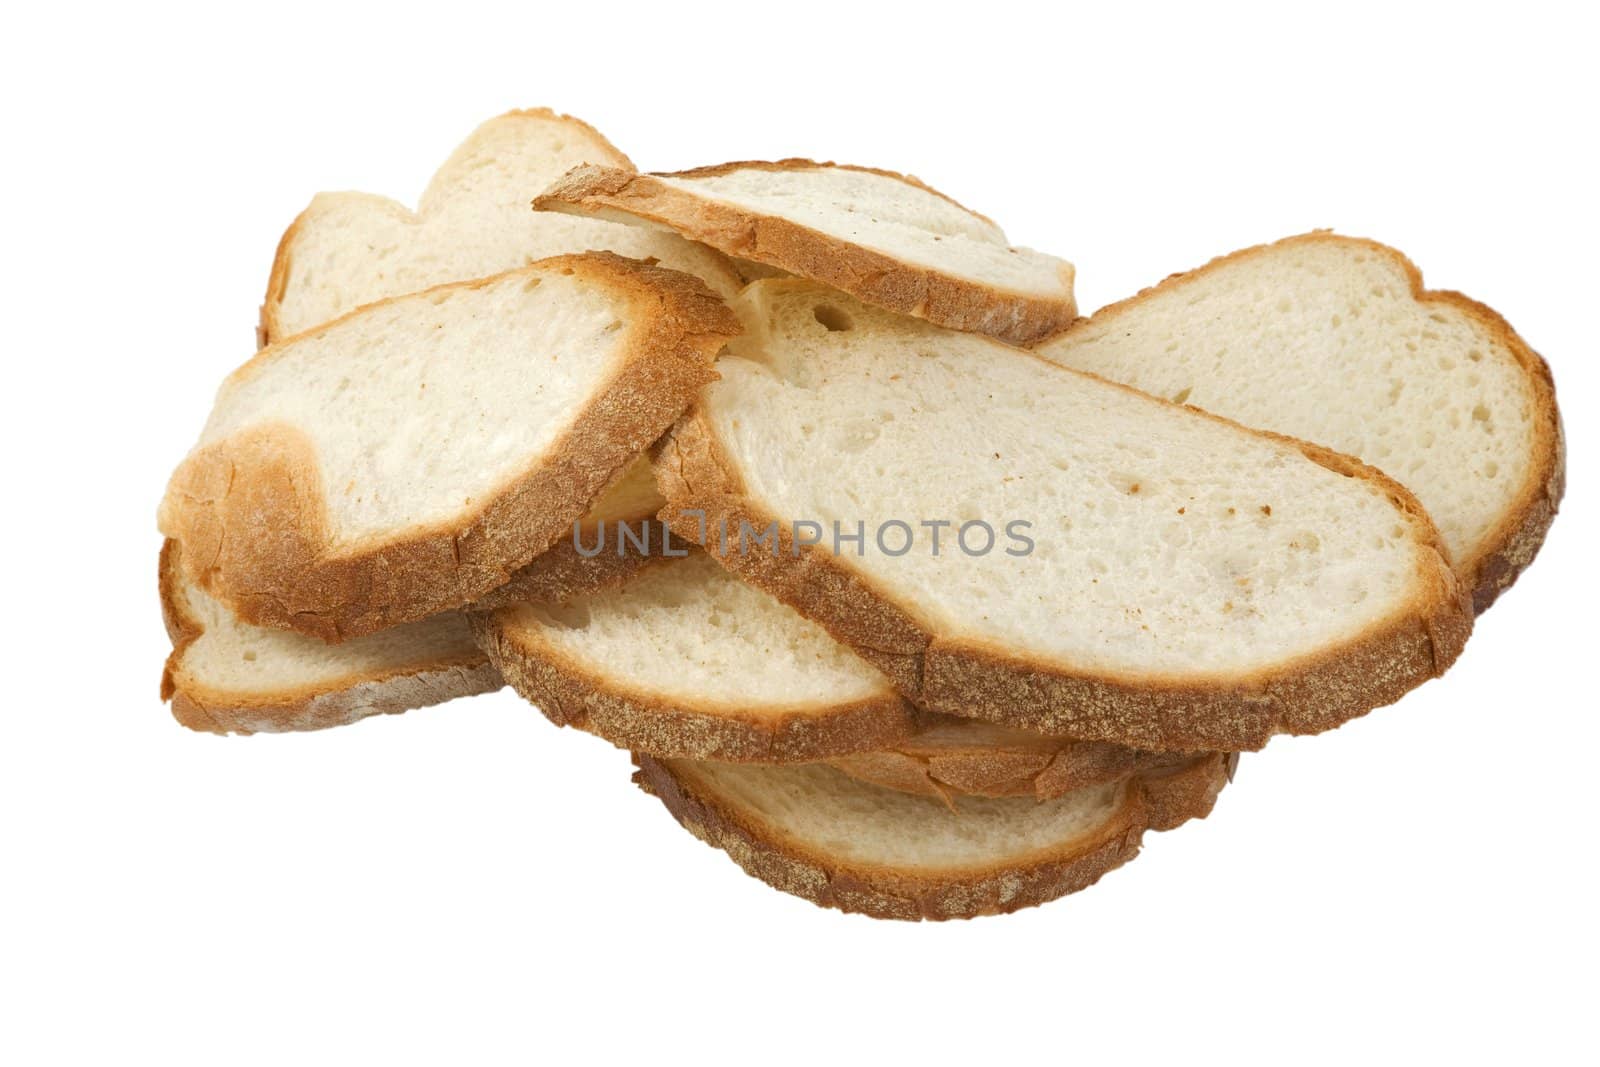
(467, 884)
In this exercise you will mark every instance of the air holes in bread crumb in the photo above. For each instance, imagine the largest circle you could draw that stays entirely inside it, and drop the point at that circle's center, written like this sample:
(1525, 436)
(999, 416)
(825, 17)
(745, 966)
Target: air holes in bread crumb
(832, 319)
(533, 283)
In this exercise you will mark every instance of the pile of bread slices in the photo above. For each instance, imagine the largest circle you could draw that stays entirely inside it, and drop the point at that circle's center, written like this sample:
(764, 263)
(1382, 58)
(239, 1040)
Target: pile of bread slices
(916, 593)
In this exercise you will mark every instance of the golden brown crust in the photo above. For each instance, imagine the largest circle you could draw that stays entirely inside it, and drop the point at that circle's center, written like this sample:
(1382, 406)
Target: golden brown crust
(335, 703)
(1161, 800)
(953, 756)
(269, 329)
(774, 241)
(250, 512)
(570, 693)
(561, 572)
(1494, 564)
(1309, 695)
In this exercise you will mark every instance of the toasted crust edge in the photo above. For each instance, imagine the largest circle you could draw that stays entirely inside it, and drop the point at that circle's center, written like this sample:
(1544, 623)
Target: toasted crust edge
(1310, 695)
(1507, 550)
(771, 240)
(1045, 769)
(224, 496)
(268, 328)
(570, 693)
(347, 700)
(1149, 802)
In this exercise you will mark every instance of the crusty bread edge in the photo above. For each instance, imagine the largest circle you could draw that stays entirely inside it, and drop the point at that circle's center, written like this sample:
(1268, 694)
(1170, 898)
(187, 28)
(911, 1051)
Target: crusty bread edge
(1149, 802)
(1043, 771)
(873, 277)
(570, 692)
(334, 703)
(269, 329)
(1309, 695)
(249, 509)
(1510, 546)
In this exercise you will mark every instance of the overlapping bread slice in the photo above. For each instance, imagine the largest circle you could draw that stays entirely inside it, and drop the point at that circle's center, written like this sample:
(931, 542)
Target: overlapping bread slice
(883, 237)
(474, 220)
(818, 833)
(1191, 584)
(683, 659)
(225, 676)
(407, 458)
(1335, 340)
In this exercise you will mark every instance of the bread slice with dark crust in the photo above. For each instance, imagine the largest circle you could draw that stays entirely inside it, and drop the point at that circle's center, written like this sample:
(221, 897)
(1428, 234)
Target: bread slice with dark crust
(953, 756)
(228, 677)
(253, 512)
(1336, 340)
(1416, 637)
(817, 833)
(953, 278)
(684, 660)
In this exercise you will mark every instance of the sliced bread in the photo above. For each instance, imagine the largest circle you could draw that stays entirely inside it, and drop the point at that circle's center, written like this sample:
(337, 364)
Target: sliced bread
(225, 676)
(683, 659)
(407, 458)
(950, 756)
(1335, 340)
(1181, 583)
(474, 220)
(883, 237)
(818, 833)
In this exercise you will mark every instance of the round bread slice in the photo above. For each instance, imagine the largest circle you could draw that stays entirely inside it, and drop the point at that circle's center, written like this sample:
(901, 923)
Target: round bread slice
(683, 659)
(407, 458)
(818, 833)
(1044, 549)
(882, 237)
(1334, 340)
(228, 677)
(951, 756)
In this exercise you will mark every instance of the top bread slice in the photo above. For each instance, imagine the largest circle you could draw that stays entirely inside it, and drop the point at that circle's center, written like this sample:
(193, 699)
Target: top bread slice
(474, 220)
(407, 458)
(883, 237)
(815, 832)
(1335, 340)
(1191, 584)
(225, 676)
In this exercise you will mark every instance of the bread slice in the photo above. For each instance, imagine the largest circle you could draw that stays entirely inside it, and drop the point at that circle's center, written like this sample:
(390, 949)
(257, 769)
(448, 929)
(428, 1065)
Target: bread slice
(1191, 584)
(950, 756)
(813, 831)
(474, 220)
(685, 660)
(1335, 340)
(883, 237)
(407, 458)
(225, 676)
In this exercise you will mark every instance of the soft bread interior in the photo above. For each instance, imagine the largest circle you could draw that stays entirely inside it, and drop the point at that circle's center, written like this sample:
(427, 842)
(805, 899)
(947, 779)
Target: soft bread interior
(261, 665)
(475, 220)
(1323, 338)
(1165, 544)
(887, 214)
(420, 406)
(685, 632)
(818, 809)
